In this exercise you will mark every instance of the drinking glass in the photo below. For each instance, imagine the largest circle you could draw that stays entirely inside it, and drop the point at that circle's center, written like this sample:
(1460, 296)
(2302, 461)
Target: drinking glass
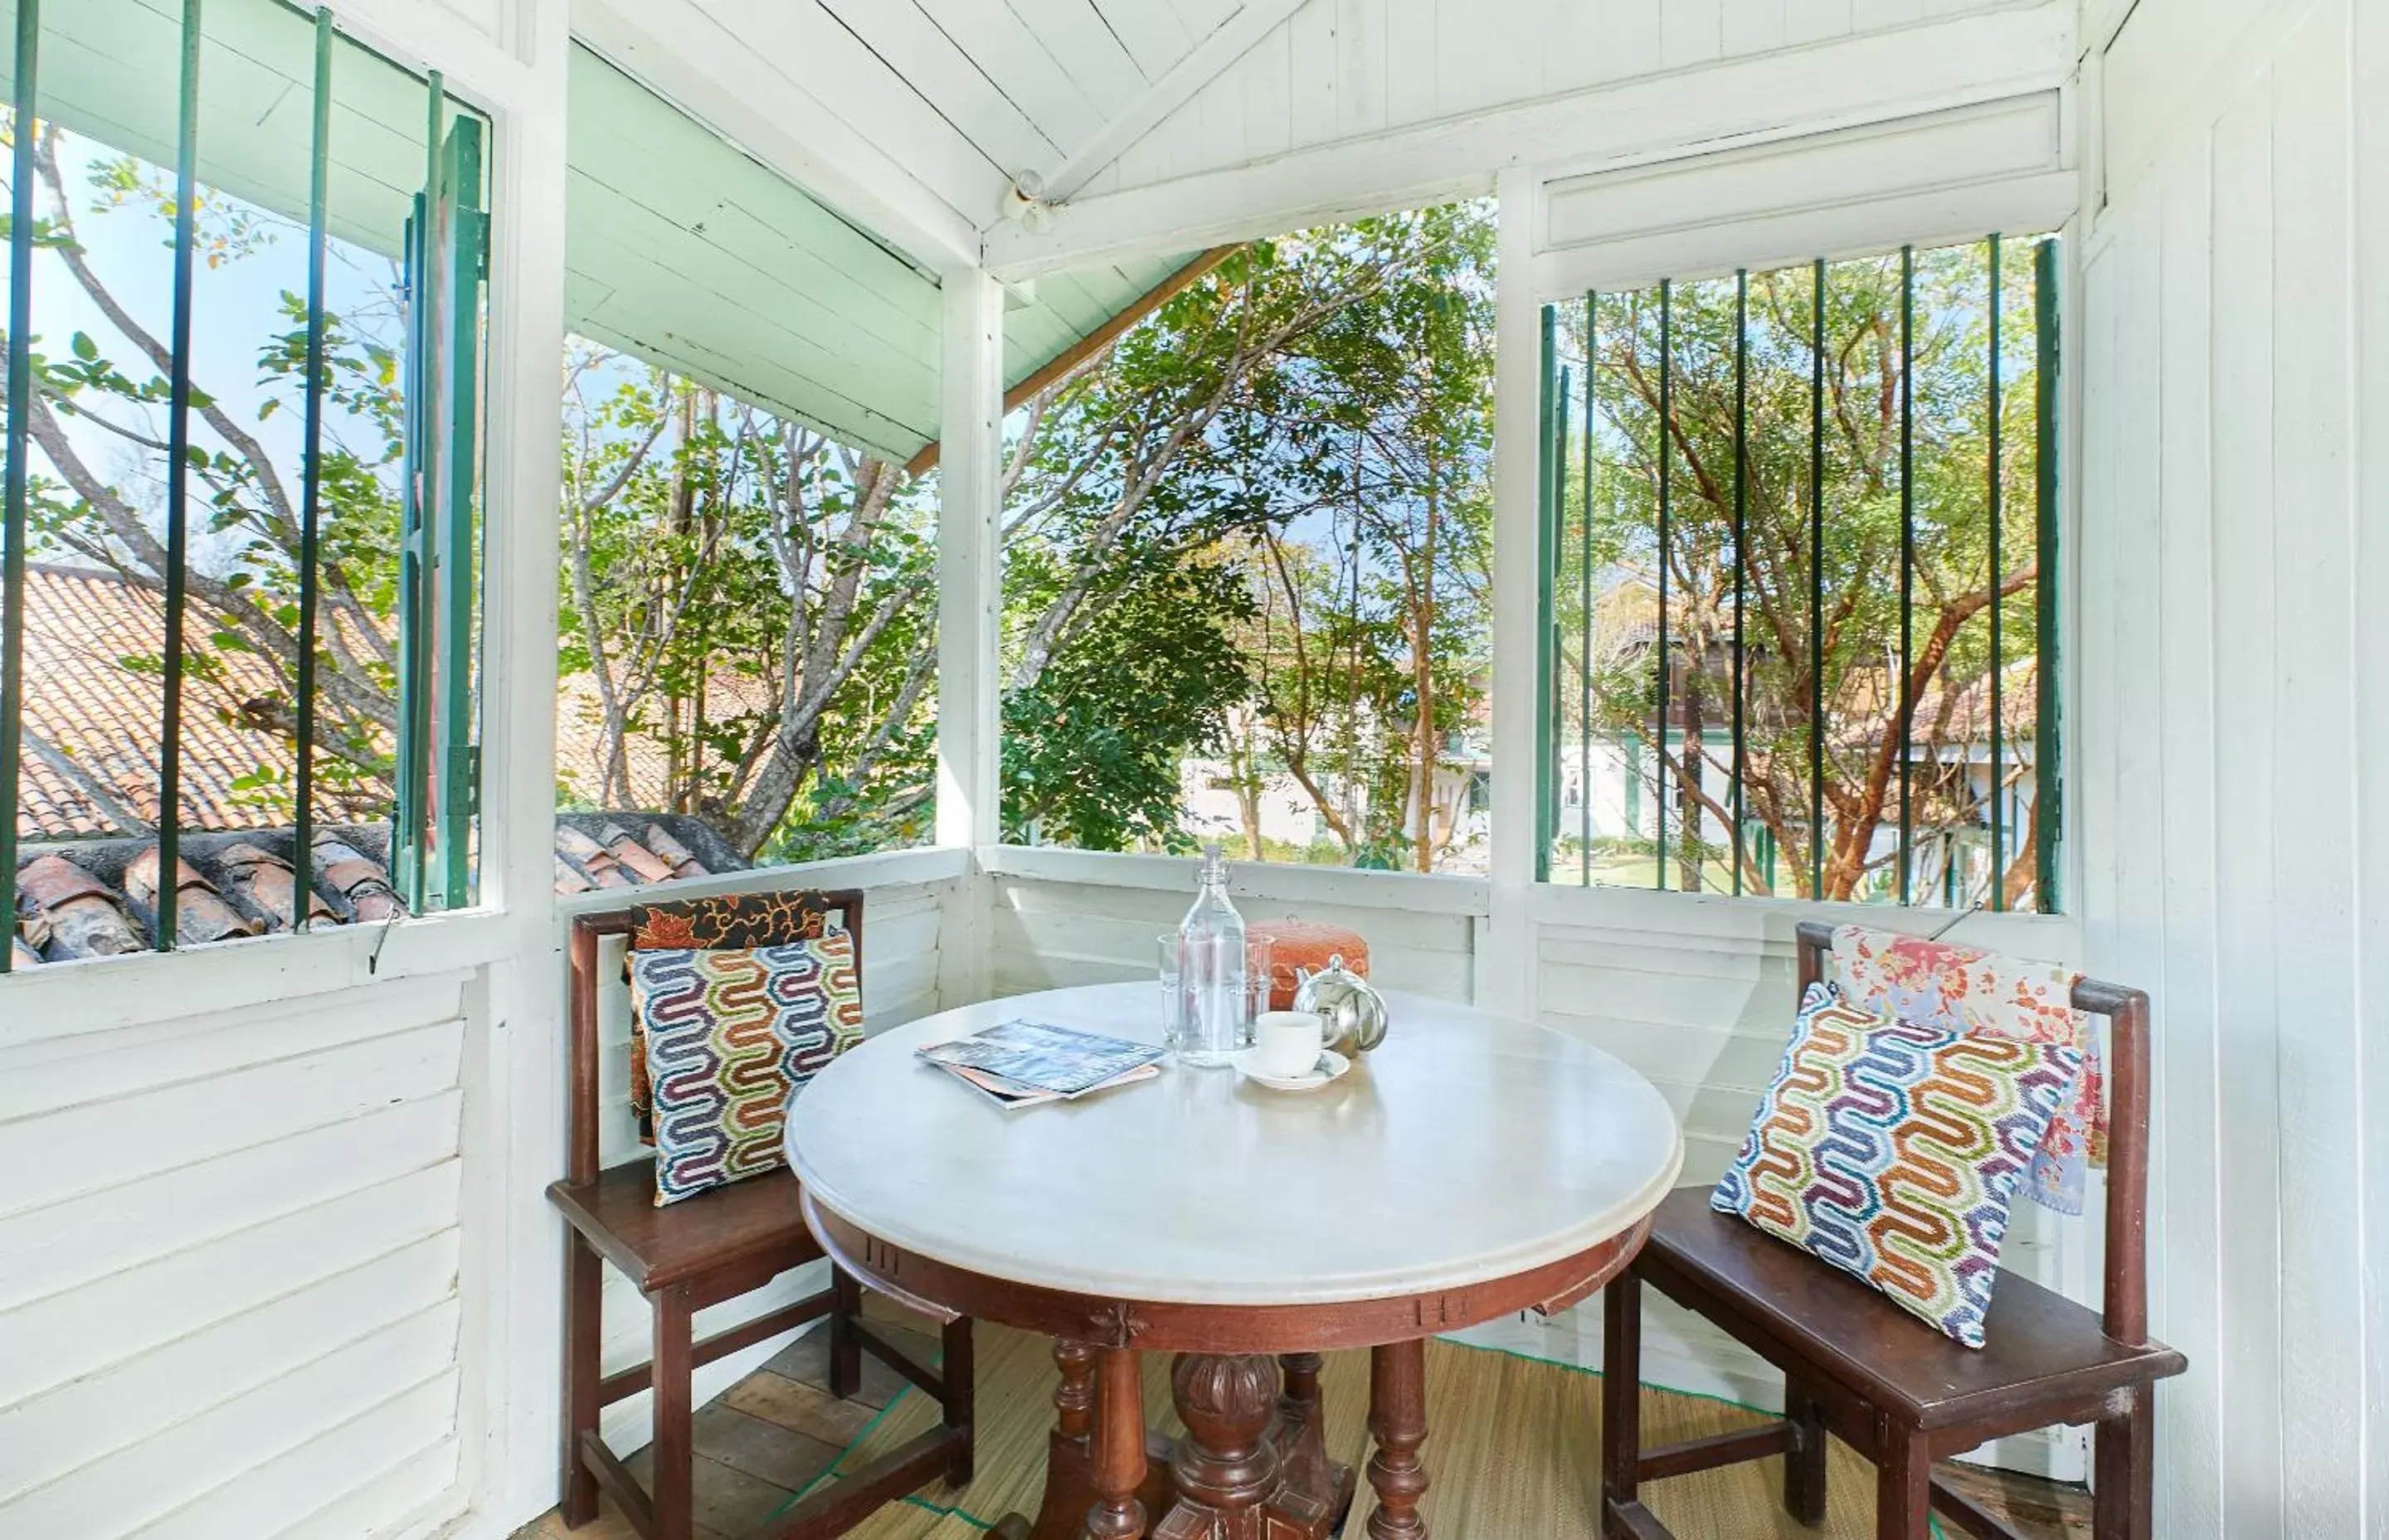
(1256, 983)
(1218, 1008)
(1175, 1010)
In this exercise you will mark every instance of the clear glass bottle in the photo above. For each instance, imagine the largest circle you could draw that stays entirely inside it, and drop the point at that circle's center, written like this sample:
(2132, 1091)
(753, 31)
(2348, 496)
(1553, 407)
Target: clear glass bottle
(1211, 956)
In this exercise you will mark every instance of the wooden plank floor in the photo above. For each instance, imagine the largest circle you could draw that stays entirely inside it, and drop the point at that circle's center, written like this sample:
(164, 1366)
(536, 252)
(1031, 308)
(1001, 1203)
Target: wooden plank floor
(779, 1429)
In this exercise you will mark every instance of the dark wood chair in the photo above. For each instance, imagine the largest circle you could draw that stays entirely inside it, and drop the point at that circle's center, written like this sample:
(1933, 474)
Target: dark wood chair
(709, 1248)
(1890, 1386)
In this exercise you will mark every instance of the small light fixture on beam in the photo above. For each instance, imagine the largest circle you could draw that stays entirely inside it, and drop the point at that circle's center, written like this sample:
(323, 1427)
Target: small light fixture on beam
(1025, 202)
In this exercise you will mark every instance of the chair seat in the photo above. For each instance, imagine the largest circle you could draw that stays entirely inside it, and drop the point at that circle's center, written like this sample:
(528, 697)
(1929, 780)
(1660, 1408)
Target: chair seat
(744, 1222)
(2039, 1347)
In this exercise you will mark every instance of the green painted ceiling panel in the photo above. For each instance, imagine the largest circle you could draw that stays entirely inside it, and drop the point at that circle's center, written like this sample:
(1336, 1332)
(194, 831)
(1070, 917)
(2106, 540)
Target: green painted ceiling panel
(109, 69)
(688, 252)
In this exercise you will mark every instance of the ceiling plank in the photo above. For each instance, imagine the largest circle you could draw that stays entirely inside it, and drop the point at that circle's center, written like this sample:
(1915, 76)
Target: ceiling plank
(1210, 57)
(949, 79)
(1007, 52)
(685, 54)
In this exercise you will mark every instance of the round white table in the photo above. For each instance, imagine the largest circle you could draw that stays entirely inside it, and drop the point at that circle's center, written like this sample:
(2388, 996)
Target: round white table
(1470, 1167)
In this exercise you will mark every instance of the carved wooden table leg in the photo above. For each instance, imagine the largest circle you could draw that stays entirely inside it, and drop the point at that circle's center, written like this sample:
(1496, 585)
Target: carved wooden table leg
(1398, 1421)
(1313, 1491)
(1069, 1483)
(1118, 1447)
(1227, 1465)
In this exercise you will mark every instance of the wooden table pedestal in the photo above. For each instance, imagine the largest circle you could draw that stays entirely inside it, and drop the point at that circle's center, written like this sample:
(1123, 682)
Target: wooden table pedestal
(1254, 1466)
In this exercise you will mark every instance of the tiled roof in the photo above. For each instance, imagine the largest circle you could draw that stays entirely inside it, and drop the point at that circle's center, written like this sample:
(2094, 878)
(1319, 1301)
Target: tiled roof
(99, 898)
(92, 639)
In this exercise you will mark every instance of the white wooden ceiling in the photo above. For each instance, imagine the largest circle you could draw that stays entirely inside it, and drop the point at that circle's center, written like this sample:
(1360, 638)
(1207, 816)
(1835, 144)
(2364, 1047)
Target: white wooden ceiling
(1153, 128)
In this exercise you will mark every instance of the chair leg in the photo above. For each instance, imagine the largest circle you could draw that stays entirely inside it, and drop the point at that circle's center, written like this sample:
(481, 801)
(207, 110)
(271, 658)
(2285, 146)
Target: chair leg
(2124, 1500)
(844, 1347)
(1804, 1464)
(1904, 1487)
(673, 1486)
(584, 1281)
(957, 1370)
(1621, 1390)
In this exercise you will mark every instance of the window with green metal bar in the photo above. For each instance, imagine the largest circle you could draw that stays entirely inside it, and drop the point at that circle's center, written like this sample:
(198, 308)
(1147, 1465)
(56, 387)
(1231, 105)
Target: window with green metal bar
(1800, 581)
(239, 590)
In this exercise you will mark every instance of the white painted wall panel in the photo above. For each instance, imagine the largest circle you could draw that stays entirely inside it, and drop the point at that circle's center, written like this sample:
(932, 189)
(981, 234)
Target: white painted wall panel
(2230, 738)
(242, 1233)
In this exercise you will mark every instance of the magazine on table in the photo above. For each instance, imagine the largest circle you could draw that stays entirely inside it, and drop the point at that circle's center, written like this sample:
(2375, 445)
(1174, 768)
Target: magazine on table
(1018, 1063)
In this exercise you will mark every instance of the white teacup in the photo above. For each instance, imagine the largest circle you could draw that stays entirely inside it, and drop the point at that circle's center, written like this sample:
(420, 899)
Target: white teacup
(1286, 1043)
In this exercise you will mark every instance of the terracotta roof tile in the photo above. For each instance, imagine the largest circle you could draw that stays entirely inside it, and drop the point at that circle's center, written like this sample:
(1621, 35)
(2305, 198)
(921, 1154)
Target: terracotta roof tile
(87, 635)
(97, 897)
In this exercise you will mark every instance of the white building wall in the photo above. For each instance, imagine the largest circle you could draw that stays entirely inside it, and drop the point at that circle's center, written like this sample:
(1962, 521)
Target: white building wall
(2233, 736)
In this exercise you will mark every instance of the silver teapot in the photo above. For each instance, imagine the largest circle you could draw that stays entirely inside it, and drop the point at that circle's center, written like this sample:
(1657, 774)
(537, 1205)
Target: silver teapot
(1354, 1014)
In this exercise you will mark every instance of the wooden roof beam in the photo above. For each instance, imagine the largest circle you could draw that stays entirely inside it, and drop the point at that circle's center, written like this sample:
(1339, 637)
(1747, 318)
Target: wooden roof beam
(1093, 342)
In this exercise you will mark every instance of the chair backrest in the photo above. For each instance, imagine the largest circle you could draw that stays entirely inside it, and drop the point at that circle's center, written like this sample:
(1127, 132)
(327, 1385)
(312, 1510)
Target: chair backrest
(726, 920)
(2126, 1300)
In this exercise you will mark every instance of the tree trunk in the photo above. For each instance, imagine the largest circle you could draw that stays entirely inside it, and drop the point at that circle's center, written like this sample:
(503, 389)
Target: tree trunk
(1422, 749)
(1689, 801)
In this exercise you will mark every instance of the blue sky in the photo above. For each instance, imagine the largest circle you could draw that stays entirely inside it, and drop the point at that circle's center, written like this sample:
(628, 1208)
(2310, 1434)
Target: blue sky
(236, 308)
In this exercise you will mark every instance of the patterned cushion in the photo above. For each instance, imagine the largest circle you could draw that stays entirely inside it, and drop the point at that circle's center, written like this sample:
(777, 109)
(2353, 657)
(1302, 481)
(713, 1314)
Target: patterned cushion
(731, 1036)
(1891, 1149)
(722, 920)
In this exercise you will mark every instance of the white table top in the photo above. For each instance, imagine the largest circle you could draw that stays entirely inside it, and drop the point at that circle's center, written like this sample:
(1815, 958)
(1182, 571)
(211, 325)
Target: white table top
(1467, 1148)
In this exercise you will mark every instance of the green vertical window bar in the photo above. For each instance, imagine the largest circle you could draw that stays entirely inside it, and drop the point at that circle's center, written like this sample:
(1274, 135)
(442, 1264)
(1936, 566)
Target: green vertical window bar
(1907, 564)
(12, 514)
(1817, 586)
(406, 811)
(312, 492)
(1999, 788)
(2048, 789)
(1562, 395)
(178, 476)
(1741, 546)
(1584, 613)
(411, 823)
(460, 325)
(1546, 623)
(1666, 406)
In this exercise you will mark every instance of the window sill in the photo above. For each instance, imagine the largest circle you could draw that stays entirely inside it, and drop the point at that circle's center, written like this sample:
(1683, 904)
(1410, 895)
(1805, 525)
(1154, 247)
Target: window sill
(1699, 919)
(100, 993)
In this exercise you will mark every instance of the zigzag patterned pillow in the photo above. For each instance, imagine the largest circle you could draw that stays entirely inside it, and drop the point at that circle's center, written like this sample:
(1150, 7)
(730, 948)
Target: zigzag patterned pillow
(732, 1035)
(1891, 1151)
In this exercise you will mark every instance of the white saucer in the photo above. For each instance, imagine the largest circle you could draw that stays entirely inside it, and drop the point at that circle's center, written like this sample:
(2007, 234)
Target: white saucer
(1331, 1065)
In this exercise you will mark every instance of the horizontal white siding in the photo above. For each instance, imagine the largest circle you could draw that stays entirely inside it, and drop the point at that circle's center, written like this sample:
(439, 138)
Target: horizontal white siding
(229, 1267)
(1064, 917)
(237, 1249)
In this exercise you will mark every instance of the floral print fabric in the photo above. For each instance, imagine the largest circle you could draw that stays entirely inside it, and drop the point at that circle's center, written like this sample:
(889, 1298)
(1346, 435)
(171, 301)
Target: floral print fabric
(1961, 989)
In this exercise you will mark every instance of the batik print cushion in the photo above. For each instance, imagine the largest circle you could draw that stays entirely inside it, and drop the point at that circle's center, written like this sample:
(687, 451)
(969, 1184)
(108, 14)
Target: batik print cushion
(1937, 983)
(1892, 1150)
(723, 920)
(731, 1034)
